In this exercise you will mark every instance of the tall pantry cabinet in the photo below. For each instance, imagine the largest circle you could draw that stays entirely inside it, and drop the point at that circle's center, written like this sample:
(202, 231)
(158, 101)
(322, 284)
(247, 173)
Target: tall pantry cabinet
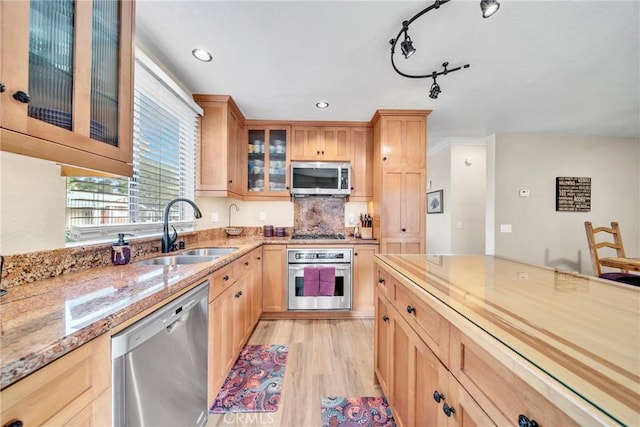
(399, 180)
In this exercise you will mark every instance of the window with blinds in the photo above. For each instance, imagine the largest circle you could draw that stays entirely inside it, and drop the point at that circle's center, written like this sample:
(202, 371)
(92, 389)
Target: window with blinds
(165, 133)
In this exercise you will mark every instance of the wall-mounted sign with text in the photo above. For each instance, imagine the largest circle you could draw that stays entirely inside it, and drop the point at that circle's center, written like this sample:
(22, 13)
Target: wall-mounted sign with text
(573, 194)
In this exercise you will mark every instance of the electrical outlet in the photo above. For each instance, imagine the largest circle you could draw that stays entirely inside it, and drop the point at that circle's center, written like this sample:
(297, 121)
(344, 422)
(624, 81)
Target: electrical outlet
(352, 219)
(215, 217)
(263, 216)
(505, 228)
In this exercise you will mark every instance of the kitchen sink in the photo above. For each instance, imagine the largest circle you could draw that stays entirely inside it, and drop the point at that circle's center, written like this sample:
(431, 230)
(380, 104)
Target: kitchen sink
(217, 252)
(177, 260)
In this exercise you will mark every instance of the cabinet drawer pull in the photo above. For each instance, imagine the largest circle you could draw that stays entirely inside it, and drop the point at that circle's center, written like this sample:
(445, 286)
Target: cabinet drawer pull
(2, 87)
(225, 278)
(411, 309)
(524, 421)
(246, 263)
(448, 410)
(437, 396)
(21, 96)
(384, 159)
(355, 254)
(318, 153)
(385, 318)
(238, 295)
(380, 280)
(404, 229)
(13, 423)
(258, 258)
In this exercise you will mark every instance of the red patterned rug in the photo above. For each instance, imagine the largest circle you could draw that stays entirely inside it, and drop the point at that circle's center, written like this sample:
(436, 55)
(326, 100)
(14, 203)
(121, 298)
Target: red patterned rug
(356, 412)
(255, 381)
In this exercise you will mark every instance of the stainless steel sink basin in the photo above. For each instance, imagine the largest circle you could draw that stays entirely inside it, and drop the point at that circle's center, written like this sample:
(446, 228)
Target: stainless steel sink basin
(177, 260)
(217, 252)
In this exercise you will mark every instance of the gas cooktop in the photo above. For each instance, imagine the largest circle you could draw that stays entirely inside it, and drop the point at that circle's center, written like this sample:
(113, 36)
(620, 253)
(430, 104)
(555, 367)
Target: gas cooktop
(318, 236)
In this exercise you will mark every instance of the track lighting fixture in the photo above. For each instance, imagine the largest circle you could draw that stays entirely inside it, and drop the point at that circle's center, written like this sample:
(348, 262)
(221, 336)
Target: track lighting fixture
(488, 7)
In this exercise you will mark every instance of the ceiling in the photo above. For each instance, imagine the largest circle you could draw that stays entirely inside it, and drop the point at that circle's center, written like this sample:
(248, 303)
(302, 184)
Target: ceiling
(554, 67)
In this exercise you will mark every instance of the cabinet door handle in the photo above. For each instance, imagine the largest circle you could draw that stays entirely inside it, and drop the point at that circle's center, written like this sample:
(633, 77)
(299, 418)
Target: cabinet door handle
(355, 254)
(258, 258)
(437, 396)
(380, 280)
(322, 152)
(14, 423)
(524, 421)
(225, 278)
(21, 96)
(318, 152)
(384, 159)
(385, 318)
(404, 229)
(246, 263)
(410, 309)
(351, 188)
(448, 410)
(230, 181)
(2, 87)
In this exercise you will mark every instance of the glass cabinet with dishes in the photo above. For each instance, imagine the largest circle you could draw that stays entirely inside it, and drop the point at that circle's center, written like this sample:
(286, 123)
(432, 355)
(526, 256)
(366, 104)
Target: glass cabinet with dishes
(268, 161)
(67, 68)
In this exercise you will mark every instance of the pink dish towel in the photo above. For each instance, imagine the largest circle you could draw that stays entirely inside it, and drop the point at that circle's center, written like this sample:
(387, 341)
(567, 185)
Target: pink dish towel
(327, 281)
(311, 282)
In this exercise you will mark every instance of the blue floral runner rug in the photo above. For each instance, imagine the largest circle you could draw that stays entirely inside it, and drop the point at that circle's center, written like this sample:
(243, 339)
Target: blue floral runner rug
(254, 383)
(356, 412)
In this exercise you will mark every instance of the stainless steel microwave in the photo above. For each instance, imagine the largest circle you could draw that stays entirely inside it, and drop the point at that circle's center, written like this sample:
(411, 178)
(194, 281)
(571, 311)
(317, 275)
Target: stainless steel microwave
(320, 179)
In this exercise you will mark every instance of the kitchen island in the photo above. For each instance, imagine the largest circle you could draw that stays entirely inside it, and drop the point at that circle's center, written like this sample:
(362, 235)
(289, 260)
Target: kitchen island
(514, 342)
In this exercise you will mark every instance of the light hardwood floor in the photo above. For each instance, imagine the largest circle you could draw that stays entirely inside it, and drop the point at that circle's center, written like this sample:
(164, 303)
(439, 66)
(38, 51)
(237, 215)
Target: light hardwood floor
(326, 358)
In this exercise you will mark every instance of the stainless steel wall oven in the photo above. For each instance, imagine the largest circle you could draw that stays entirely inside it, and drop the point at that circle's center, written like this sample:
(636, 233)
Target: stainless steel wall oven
(333, 289)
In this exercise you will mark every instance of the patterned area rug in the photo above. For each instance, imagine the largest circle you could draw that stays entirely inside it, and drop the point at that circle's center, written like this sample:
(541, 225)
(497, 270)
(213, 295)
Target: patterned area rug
(255, 381)
(356, 412)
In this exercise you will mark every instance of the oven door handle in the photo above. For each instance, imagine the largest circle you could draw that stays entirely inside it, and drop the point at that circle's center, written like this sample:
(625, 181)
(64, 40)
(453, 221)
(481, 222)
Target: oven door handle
(338, 267)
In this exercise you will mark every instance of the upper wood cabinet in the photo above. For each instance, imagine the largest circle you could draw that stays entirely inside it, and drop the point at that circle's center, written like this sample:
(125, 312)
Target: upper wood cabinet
(361, 164)
(322, 143)
(266, 171)
(403, 138)
(221, 156)
(71, 104)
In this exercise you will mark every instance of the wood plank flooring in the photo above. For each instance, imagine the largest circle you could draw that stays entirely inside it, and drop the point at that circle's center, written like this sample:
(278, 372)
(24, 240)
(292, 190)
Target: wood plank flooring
(326, 358)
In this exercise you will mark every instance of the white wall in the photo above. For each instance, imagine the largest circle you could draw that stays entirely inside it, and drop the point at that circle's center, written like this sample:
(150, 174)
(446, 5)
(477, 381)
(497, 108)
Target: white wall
(439, 178)
(32, 204)
(540, 234)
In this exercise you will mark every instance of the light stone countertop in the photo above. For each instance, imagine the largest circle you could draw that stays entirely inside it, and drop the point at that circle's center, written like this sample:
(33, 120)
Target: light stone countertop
(43, 320)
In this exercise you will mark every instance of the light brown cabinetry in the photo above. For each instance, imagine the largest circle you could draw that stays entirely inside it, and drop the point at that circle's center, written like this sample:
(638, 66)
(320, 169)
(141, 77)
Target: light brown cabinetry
(71, 105)
(274, 278)
(73, 390)
(434, 374)
(361, 164)
(321, 143)
(399, 180)
(363, 279)
(220, 170)
(232, 315)
(267, 149)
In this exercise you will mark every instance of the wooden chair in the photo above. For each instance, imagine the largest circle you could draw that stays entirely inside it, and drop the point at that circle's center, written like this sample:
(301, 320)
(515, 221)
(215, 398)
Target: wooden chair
(610, 238)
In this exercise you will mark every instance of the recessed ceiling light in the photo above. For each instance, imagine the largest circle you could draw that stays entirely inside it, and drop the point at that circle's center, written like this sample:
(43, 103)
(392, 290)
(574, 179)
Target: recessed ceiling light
(202, 55)
(322, 104)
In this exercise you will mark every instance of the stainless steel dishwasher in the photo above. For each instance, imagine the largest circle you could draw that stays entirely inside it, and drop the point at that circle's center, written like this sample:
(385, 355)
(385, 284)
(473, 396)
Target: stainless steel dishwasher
(159, 365)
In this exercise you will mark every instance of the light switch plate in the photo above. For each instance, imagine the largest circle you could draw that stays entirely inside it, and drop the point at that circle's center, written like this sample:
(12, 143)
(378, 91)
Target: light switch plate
(505, 228)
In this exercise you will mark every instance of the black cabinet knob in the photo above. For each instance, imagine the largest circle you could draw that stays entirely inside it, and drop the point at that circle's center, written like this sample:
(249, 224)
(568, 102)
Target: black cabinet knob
(287, 187)
(230, 181)
(524, 421)
(322, 152)
(384, 159)
(225, 278)
(404, 229)
(355, 254)
(21, 96)
(2, 88)
(258, 258)
(448, 410)
(246, 263)
(385, 318)
(318, 152)
(351, 188)
(13, 423)
(437, 396)
(380, 280)
(410, 309)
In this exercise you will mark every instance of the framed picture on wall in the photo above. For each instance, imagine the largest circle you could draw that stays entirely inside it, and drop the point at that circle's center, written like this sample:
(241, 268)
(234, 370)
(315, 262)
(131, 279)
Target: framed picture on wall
(434, 202)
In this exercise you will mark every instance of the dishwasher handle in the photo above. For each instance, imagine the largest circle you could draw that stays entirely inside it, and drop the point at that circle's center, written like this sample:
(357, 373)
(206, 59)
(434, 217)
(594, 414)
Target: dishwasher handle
(164, 318)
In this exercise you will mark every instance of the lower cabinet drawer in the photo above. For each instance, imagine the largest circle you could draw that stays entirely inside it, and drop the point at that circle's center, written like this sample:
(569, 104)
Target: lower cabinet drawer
(504, 396)
(64, 391)
(386, 284)
(431, 326)
(221, 280)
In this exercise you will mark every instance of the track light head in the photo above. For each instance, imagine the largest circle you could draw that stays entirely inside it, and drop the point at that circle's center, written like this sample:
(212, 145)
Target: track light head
(407, 46)
(489, 7)
(434, 91)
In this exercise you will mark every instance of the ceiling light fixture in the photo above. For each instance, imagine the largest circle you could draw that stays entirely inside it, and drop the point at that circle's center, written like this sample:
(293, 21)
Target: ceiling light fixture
(202, 55)
(322, 105)
(488, 7)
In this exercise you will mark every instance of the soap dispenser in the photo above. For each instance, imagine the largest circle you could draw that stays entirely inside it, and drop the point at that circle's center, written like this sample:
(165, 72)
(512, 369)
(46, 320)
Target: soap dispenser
(120, 250)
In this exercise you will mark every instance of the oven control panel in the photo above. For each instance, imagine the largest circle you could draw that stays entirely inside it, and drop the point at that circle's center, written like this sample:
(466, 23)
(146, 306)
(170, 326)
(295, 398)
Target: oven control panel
(311, 256)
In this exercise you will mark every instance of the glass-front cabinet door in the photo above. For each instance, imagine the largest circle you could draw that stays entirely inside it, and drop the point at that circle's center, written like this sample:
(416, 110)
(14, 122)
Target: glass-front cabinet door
(268, 162)
(67, 73)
